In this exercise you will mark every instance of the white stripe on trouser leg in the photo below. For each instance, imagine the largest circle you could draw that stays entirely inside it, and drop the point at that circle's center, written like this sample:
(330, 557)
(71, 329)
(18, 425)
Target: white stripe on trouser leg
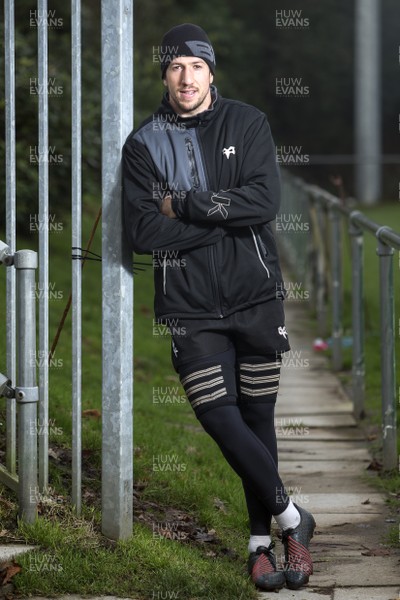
(259, 379)
(204, 386)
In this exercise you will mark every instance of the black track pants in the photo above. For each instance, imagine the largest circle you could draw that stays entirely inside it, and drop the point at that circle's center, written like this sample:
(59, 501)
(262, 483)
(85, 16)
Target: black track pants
(233, 392)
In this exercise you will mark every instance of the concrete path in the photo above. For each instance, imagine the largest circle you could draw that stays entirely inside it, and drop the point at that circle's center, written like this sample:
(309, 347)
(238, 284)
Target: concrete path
(322, 460)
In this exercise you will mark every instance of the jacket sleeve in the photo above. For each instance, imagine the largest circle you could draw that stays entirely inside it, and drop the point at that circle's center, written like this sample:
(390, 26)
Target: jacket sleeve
(146, 228)
(257, 197)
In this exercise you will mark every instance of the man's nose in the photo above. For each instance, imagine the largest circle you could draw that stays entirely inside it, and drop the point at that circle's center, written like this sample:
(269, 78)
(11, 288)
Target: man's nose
(187, 76)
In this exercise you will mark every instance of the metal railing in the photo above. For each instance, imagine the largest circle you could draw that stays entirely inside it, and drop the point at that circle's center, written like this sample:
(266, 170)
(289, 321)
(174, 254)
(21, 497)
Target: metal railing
(117, 273)
(23, 389)
(317, 258)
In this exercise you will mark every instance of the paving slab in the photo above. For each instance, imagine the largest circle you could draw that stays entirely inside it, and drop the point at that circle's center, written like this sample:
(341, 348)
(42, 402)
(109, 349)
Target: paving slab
(323, 484)
(371, 593)
(312, 408)
(306, 378)
(364, 571)
(323, 468)
(303, 594)
(320, 434)
(347, 503)
(74, 597)
(10, 551)
(334, 451)
(285, 420)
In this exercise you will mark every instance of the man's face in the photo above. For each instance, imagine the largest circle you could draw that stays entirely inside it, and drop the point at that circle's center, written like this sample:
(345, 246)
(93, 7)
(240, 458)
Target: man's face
(188, 81)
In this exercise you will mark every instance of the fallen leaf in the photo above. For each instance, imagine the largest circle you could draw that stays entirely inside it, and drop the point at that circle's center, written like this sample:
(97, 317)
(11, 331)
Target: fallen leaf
(53, 454)
(376, 552)
(10, 572)
(91, 412)
(375, 465)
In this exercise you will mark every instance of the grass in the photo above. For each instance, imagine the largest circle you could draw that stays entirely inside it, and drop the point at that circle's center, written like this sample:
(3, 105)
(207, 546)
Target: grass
(185, 492)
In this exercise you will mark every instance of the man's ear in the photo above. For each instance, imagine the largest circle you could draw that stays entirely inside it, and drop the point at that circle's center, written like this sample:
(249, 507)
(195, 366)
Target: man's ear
(211, 78)
(164, 82)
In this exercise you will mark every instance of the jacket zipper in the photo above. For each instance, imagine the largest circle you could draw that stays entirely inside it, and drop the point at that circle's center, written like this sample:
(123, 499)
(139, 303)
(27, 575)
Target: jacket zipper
(165, 276)
(215, 280)
(194, 173)
(258, 252)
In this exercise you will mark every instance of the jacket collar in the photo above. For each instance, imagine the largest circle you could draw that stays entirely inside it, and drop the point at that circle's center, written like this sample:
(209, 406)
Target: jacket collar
(200, 119)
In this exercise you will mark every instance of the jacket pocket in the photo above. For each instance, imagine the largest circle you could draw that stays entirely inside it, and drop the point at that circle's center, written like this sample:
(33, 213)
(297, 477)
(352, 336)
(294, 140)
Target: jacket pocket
(261, 250)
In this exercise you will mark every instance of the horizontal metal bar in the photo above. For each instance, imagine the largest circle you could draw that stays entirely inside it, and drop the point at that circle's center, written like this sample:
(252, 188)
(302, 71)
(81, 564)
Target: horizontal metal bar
(390, 237)
(9, 479)
(358, 218)
(386, 234)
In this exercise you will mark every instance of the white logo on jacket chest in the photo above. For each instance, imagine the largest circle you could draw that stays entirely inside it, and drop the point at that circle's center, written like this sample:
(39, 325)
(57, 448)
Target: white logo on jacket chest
(228, 151)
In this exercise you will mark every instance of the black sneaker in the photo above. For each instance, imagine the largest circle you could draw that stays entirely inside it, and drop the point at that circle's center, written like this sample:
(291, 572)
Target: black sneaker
(298, 567)
(262, 569)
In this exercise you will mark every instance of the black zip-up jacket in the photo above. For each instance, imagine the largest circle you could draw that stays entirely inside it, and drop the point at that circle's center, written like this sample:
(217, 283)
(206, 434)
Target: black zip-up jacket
(219, 255)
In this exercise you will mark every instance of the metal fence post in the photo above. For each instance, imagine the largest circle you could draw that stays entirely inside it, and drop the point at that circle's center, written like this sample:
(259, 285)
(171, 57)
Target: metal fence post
(319, 280)
(26, 391)
(117, 273)
(10, 151)
(43, 118)
(76, 213)
(385, 254)
(357, 282)
(336, 290)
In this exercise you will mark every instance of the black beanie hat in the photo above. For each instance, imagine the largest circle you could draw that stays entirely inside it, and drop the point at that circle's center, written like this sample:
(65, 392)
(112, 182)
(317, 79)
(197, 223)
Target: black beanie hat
(186, 40)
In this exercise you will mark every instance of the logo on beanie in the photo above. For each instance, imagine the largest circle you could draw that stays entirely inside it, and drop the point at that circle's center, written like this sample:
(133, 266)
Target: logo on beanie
(201, 50)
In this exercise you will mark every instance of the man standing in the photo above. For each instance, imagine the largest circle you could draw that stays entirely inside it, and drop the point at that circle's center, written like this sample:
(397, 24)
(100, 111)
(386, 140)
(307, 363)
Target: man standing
(201, 187)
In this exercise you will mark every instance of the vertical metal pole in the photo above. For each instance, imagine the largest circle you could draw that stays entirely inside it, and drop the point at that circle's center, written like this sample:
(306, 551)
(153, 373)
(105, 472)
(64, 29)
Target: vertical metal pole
(117, 273)
(320, 275)
(43, 245)
(357, 283)
(76, 265)
(336, 268)
(9, 67)
(389, 436)
(367, 101)
(25, 262)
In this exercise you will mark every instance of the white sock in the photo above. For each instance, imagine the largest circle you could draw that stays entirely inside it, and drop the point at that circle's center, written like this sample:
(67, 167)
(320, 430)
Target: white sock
(290, 517)
(258, 540)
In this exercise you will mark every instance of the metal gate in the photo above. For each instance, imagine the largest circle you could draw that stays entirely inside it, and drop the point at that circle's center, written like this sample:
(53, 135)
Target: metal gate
(117, 276)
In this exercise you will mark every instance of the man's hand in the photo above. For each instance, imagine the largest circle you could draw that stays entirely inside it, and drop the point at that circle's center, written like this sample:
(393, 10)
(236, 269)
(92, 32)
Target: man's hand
(166, 207)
